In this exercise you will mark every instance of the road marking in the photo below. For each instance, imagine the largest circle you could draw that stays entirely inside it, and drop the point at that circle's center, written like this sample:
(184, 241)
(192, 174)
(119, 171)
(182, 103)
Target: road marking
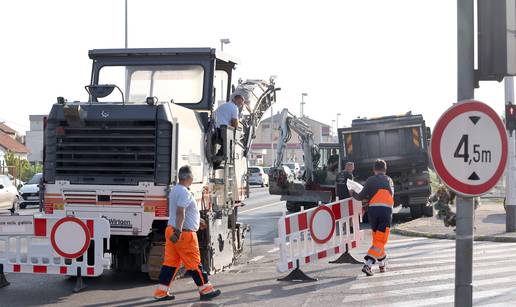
(256, 258)
(408, 240)
(450, 298)
(372, 282)
(261, 207)
(436, 267)
(438, 261)
(450, 254)
(273, 250)
(424, 289)
(444, 248)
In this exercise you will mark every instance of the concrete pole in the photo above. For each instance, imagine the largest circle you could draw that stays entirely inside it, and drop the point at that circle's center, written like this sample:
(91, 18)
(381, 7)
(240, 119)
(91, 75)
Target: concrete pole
(272, 137)
(125, 24)
(510, 195)
(465, 209)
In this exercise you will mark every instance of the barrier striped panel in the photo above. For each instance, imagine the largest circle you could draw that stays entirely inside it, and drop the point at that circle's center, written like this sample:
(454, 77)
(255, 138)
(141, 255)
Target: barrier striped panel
(318, 233)
(50, 245)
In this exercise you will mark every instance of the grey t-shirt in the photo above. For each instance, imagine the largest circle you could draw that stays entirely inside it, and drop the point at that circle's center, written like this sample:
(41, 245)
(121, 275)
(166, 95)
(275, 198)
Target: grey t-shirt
(180, 196)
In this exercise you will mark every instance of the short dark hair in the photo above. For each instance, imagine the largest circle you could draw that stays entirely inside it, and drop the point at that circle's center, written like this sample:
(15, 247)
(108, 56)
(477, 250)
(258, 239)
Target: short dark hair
(380, 165)
(185, 172)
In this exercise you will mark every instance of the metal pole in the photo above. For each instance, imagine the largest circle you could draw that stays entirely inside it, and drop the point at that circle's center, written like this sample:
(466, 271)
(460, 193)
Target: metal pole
(465, 209)
(125, 23)
(272, 138)
(510, 195)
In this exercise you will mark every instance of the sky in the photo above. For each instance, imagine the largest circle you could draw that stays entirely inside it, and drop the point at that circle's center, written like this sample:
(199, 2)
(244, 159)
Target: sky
(358, 58)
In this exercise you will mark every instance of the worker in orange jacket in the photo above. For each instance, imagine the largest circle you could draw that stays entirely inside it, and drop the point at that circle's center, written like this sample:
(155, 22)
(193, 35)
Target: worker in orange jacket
(181, 246)
(378, 191)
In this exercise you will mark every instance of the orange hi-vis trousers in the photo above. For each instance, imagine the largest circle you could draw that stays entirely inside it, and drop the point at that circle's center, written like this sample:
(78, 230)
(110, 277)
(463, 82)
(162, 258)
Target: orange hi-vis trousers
(380, 218)
(185, 251)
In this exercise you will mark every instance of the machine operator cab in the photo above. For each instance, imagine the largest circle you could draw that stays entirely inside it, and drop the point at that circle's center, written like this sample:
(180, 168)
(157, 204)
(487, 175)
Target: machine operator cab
(194, 78)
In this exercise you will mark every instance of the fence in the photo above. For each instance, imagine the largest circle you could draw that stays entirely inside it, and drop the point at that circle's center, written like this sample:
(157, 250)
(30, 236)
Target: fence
(312, 235)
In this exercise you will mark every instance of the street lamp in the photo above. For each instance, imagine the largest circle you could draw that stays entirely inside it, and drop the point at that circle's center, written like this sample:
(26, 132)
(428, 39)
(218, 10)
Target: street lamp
(302, 106)
(272, 78)
(223, 41)
(337, 121)
(333, 125)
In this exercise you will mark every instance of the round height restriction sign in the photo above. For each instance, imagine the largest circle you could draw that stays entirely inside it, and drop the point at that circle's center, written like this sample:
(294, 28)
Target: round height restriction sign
(469, 148)
(70, 237)
(322, 224)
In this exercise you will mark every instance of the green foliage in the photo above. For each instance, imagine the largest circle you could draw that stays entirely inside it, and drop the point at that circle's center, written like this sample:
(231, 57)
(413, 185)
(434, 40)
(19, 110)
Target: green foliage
(21, 168)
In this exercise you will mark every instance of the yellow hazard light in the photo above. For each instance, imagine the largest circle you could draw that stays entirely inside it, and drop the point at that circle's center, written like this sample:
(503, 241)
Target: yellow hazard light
(149, 208)
(415, 137)
(349, 144)
(58, 206)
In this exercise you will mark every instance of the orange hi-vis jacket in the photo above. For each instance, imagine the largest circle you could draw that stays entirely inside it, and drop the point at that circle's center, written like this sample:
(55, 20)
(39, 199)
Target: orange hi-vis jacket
(378, 190)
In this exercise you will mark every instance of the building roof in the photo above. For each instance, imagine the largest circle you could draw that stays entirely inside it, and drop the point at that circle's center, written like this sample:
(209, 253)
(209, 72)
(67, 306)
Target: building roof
(11, 144)
(6, 129)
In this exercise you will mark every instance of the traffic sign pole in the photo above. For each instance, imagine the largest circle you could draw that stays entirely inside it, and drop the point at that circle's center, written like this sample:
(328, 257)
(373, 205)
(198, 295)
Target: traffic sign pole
(510, 195)
(465, 90)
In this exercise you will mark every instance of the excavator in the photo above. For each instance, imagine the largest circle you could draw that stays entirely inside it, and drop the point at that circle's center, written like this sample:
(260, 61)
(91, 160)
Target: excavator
(306, 192)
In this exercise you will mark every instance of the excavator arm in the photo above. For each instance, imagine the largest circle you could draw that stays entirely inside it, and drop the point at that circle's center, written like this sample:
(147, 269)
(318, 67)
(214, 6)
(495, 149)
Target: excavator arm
(279, 183)
(289, 122)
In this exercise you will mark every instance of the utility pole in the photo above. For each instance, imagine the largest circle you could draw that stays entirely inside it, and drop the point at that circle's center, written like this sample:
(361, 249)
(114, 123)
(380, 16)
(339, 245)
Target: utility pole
(272, 137)
(125, 24)
(337, 122)
(302, 105)
(465, 208)
(223, 41)
(510, 194)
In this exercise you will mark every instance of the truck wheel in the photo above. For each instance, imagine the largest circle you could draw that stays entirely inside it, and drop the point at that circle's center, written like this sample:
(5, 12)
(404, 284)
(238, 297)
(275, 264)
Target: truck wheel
(293, 207)
(23, 205)
(155, 259)
(416, 211)
(428, 210)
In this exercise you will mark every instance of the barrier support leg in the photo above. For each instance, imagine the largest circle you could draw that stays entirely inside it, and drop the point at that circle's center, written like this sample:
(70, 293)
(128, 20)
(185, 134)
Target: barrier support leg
(297, 275)
(3, 280)
(79, 284)
(346, 257)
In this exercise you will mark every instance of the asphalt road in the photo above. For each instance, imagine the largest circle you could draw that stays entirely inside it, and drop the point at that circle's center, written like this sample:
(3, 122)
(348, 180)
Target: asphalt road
(420, 273)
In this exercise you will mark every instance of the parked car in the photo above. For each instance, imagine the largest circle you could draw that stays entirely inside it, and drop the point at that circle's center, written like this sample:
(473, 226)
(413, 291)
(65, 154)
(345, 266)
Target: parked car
(258, 176)
(8, 194)
(30, 192)
(294, 167)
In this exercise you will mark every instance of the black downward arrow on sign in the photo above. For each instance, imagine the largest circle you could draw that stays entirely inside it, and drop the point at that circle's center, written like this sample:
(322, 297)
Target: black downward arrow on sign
(474, 119)
(473, 176)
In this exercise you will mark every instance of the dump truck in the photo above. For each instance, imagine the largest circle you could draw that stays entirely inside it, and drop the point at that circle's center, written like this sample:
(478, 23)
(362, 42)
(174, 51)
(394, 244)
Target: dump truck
(116, 156)
(402, 141)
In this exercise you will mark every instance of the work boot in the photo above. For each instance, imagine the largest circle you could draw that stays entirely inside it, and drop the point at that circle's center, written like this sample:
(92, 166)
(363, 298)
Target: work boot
(208, 293)
(367, 270)
(163, 295)
(383, 266)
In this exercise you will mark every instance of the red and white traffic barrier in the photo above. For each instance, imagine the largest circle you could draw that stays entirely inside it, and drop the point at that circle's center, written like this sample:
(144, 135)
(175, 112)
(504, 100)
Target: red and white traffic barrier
(62, 245)
(318, 233)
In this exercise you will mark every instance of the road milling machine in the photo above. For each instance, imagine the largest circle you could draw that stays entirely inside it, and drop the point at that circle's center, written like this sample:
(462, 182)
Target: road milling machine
(149, 112)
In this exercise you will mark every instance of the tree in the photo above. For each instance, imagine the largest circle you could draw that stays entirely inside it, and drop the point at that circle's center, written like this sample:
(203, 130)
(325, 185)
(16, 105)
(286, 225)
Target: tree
(21, 168)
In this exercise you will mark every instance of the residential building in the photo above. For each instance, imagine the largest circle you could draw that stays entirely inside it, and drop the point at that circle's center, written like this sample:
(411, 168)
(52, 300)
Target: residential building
(267, 135)
(9, 142)
(34, 138)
